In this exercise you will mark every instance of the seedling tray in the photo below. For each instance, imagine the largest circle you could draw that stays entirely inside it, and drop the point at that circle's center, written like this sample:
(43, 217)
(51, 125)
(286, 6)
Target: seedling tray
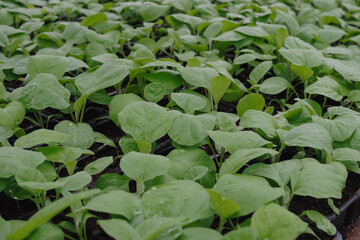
(348, 212)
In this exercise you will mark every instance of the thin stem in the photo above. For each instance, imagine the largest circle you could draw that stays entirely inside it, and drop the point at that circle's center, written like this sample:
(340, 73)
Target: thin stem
(214, 153)
(222, 156)
(221, 225)
(82, 111)
(72, 115)
(289, 201)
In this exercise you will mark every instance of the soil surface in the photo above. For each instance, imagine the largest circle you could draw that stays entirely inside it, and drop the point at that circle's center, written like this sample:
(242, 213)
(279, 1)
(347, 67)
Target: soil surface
(352, 231)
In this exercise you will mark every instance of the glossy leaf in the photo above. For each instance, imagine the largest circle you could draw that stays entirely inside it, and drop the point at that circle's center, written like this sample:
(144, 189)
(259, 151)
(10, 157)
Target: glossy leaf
(145, 121)
(251, 101)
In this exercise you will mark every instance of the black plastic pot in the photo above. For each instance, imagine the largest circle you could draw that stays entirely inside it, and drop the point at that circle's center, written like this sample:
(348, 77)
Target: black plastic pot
(348, 212)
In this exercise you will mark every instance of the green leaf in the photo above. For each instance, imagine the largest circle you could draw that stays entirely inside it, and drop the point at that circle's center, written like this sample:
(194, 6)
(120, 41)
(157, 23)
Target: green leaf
(329, 87)
(116, 202)
(42, 92)
(303, 72)
(185, 162)
(250, 101)
(101, 138)
(91, 20)
(348, 69)
(119, 229)
(75, 182)
(200, 233)
(260, 120)
(142, 167)
(41, 136)
(109, 74)
(197, 76)
(280, 172)
(247, 233)
(119, 102)
(145, 121)
(113, 181)
(11, 158)
(319, 180)
(189, 130)
(181, 198)
(47, 231)
(321, 221)
(248, 192)
(233, 141)
(274, 222)
(48, 212)
(12, 114)
(81, 134)
(346, 154)
(309, 135)
(98, 165)
(224, 207)
(259, 71)
(303, 57)
(212, 30)
(241, 157)
(189, 102)
(151, 11)
(160, 228)
(170, 80)
(274, 85)
(154, 92)
(218, 87)
(340, 128)
(55, 65)
(255, 31)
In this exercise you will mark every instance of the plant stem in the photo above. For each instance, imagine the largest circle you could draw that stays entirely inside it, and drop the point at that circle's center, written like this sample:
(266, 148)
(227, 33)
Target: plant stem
(289, 201)
(82, 111)
(221, 225)
(140, 188)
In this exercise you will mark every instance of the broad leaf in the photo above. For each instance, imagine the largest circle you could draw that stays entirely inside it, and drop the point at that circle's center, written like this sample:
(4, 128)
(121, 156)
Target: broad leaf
(145, 121)
(260, 120)
(98, 165)
(309, 135)
(143, 167)
(107, 75)
(233, 141)
(12, 114)
(185, 162)
(251, 101)
(41, 136)
(241, 157)
(280, 172)
(81, 134)
(115, 202)
(119, 229)
(199, 233)
(119, 102)
(198, 77)
(189, 102)
(189, 130)
(11, 158)
(274, 222)
(55, 65)
(179, 198)
(259, 71)
(42, 92)
(319, 180)
(248, 192)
